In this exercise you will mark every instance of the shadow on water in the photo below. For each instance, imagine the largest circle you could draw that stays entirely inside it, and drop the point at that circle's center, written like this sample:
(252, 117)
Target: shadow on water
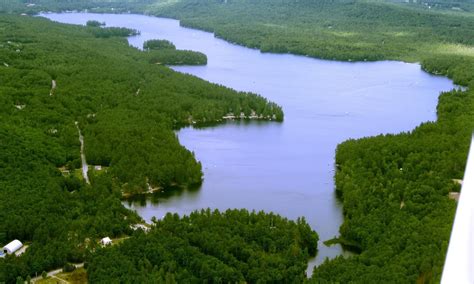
(237, 122)
(160, 196)
(191, 192)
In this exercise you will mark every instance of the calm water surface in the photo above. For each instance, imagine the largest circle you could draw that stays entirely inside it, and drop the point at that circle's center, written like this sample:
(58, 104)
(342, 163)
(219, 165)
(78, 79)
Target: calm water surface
(284, 167)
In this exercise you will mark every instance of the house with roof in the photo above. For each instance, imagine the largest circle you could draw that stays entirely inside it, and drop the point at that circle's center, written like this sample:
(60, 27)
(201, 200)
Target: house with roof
(11, 248)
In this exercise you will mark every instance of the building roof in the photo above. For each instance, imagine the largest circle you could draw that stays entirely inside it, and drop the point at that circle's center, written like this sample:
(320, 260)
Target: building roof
(13, 246)
(106, 240)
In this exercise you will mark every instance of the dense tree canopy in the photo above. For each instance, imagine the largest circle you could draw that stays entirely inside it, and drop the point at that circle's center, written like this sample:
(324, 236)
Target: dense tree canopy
(395, 195)
(160, 51)
(157, 44)
(53, 76)
(176, 57)
(36, 6)
(221, 247)
(343, 30)
(113, 31)
(93, 23)
(394, 187)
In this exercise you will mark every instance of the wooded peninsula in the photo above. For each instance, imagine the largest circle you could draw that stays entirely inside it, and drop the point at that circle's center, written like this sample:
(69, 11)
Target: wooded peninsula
(59, 78)
(394, 188)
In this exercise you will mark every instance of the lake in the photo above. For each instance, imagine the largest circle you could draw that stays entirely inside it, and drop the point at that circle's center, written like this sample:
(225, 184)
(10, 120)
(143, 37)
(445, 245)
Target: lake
(288, 167)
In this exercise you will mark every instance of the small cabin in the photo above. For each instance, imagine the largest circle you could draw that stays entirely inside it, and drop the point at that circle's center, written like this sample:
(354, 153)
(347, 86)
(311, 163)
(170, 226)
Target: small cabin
(12, 247)
(106, 241)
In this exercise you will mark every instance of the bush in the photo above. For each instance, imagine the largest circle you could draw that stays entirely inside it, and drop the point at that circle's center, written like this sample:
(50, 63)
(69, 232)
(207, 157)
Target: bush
(157, 44)
(69, 267)
(94, 24)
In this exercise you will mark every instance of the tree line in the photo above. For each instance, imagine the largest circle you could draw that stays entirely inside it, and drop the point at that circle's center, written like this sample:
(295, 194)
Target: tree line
(395, 195)
(221, 247)
(160, 51)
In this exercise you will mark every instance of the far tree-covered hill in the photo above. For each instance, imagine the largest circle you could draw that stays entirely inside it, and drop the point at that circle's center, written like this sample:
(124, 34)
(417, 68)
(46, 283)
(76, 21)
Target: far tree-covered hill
(342, 30)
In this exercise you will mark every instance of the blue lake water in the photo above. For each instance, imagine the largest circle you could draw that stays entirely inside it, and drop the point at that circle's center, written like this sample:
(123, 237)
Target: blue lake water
(288, 167)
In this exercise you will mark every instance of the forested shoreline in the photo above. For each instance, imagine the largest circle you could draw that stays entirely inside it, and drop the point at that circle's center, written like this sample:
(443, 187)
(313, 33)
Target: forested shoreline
(395, 197)
(165, 52)
(234, 246)
(394, 187)
(54, 76)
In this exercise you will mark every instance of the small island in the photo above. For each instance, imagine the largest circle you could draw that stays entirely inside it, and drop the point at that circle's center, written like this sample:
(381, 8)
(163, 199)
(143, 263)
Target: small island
(96, 24)
(164, 52)
(99, 30)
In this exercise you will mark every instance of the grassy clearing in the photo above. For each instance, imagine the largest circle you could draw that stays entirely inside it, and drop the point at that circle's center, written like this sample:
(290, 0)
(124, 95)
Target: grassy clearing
(78, 276)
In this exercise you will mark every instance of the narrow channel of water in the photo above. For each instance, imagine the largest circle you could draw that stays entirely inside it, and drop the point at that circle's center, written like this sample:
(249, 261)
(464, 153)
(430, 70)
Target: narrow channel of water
(287, 168)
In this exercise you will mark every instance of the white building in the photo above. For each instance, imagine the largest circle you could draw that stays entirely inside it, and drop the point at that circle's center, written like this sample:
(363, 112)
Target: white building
(106, 241)
(12, 247)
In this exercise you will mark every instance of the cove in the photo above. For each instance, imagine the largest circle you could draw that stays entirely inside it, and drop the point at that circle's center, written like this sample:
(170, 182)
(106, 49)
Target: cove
(288, 167)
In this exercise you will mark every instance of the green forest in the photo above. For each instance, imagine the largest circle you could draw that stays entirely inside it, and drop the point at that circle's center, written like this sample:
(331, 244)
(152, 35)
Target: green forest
(235, 246)
(394, 188)
(32, 7)
(395, 195)
(161, 51)
(158, 44)
(347, 30)
(55, 75)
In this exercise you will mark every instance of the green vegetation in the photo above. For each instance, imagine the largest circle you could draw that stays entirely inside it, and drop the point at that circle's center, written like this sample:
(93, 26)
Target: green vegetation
(229, 247)
(95, 24)
(341, 30)
(158, 44)
(161, 51)
(113, 32)
(453, 5)
(176, 57)
(395, 195)
(54, 75)
(78, 276)
(109, 6)
(395, 187)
